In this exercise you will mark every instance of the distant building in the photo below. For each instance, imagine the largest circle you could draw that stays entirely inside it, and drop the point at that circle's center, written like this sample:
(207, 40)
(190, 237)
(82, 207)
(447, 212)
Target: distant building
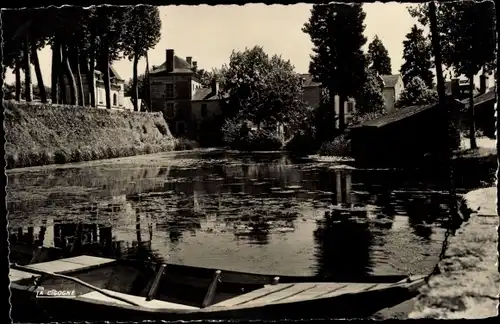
(178, 93)
(393, 87)
(312, 97)
(117, 89)
(400, 136)
(484, 107)
(459, 88)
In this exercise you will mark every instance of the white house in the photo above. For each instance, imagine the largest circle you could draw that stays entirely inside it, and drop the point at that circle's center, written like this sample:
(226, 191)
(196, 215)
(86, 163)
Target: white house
(393, 87)
(312, 97)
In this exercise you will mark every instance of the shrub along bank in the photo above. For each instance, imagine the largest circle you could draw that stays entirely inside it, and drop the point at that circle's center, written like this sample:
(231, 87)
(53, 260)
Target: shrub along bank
(41, 134)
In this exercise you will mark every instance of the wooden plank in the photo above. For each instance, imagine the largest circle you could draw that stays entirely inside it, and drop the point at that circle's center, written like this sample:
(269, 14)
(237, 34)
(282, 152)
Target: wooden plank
(71, 264)
(56, 266)
(17, 275)
(253, 295)
(317, 290)
(350, 288)
(88, 260)
(157, 304)
(281, 294)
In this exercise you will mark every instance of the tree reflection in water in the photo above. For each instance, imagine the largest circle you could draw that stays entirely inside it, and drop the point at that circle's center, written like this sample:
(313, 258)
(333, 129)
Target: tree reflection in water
(343, 249)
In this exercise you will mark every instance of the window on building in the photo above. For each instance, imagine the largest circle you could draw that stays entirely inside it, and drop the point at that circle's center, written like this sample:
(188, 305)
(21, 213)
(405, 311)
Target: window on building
(169, 90)
(100, 95)
(204, 110)
(115, 100)
(170, 109)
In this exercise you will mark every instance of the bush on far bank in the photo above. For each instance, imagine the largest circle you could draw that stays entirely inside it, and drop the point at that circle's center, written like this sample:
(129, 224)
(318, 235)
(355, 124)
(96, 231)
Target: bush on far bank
(239, 136)
(339, 146)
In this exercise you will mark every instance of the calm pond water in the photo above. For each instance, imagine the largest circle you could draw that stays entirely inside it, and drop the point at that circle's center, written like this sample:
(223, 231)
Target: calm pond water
(260, 212)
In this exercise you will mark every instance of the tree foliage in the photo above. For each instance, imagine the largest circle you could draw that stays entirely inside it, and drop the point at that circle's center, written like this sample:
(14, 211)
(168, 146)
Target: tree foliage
(261, 89)
(370, 97)
(469, 30)
(416, 92)
(206, 77)
(417, 55)
(338, 61)
(141, 32)
(378, 57)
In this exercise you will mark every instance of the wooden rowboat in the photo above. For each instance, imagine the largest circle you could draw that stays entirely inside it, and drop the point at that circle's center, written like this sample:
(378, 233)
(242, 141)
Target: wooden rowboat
(116, 290)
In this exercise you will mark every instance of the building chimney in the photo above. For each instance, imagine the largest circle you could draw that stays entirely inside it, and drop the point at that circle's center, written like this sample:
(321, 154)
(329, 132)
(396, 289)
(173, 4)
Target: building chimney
(455, 88)
(215, 86)
(189, 59)
(483, 83)
(170, 60)
(195, 65)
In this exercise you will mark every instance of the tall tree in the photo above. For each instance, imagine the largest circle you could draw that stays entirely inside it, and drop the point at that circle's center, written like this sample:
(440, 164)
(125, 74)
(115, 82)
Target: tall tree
(378, 57)
(28, 93)
(338, 61)
(263, 90)
(109, 22)
(417, 55)
(206, 77)
(140, 32)
(370, 98)
(416, 92)
(469, 30)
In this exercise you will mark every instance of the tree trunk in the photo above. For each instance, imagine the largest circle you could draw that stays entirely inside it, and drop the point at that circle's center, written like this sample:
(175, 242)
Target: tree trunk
(38, 72)
(91, 70)
(91, 79)
(105, 67)
(472, 122)
(71, 78)
(18, 79)
(56, 63)
(81, 97)
(342, 101)
(135, 88)
(147, 91)
(27, 72)
(63, 79)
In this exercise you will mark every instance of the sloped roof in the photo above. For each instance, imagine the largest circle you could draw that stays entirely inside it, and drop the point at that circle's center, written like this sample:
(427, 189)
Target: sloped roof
(112, 72)
(309, 81)
(390, 80)
(180, 66)
(402, 114)
(482, 98)
(203, 94)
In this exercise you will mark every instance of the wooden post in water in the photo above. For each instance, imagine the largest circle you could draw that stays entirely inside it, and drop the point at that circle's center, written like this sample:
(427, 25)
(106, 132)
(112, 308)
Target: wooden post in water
(31, 235)
(348, 186)
(338, 183)
(138, 226)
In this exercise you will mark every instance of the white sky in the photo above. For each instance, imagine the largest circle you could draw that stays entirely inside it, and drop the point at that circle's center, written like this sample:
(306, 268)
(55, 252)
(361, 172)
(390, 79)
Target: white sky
(210, 33)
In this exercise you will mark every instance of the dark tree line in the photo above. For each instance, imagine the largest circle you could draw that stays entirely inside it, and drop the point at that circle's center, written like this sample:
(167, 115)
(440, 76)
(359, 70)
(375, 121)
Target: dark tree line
(81, 40)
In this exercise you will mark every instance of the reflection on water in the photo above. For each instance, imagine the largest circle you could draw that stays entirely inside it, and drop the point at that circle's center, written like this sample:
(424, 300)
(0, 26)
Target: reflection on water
(262, 213)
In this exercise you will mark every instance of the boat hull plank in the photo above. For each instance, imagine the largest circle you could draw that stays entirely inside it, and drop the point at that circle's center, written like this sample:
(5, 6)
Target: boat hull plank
(318, 290)
(351, 288)
(83, 262)
(280, 294)
(17, 275)
(242, 299)
(154, 303)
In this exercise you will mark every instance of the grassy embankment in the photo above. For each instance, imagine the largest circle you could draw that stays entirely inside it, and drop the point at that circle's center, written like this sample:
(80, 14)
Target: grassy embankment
(40, 134)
